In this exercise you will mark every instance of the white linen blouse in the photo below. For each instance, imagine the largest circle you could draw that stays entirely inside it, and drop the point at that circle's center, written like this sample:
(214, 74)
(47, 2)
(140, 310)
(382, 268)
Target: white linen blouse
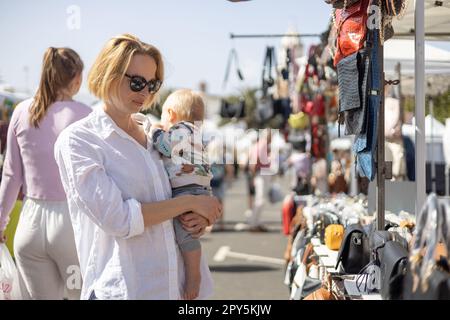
(106, 175)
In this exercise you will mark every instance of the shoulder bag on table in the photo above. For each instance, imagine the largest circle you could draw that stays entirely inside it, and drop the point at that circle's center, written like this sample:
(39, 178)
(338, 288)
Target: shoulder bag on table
(354, 253)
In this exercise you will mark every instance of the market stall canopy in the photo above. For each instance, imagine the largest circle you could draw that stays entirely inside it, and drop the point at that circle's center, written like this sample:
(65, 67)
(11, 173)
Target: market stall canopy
(437, 61)
(437, 21)
(437, 65)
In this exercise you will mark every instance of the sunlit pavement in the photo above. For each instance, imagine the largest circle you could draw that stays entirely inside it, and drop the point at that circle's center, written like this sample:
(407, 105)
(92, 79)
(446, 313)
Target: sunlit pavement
(248, 265)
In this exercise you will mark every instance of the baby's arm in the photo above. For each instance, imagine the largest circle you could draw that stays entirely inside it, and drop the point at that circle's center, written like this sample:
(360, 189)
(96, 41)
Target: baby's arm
(161, 141)
(168, 141)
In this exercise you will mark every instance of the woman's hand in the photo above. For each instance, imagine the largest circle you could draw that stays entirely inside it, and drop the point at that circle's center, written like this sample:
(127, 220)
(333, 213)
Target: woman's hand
(208, 207)
(194, 224)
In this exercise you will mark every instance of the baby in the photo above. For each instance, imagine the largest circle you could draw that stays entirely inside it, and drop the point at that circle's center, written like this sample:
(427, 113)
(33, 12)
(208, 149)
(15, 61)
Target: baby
(179, 141)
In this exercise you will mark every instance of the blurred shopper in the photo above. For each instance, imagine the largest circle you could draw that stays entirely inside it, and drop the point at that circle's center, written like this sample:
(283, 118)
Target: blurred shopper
(300, 160)
(217, 160)
(259, 167)
(336, 178)
(44, 241)
(319, 179)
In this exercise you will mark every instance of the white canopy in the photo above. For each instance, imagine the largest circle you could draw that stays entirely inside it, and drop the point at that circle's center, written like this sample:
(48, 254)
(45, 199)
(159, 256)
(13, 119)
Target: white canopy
(402, 50)
(437, 65)
(437, 21)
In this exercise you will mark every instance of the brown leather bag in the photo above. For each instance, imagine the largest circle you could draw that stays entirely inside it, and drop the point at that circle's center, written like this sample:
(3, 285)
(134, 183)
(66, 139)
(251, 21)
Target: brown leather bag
(324, 293)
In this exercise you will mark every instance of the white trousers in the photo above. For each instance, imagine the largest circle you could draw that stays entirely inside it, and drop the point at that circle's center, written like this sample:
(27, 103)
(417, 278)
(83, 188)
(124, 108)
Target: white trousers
(262, 184)
(45, 253)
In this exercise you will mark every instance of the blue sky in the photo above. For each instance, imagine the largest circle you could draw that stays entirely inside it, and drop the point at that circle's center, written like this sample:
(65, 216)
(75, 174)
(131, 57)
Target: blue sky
(193, 35)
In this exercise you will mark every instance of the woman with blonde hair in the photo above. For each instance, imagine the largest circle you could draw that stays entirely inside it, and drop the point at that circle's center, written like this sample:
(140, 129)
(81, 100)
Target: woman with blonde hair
(44, 243)
(118, 190)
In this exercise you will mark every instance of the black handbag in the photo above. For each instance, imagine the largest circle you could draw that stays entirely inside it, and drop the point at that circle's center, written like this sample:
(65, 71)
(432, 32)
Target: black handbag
(232, 110)
(268, 65)
(428, 279)
(378, 239)
(393, 259)
(354, 253)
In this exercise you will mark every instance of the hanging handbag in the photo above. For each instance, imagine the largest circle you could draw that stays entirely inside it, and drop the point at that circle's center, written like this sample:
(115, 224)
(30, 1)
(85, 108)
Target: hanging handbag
(298, 120)
(232, 56)
(288, 210)
(232, 110)
(268, 65)
(351, 24)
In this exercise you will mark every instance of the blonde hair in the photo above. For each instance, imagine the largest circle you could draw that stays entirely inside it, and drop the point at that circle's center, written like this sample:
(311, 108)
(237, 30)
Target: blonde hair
(59, 68)
(112, 63)
(188, 105)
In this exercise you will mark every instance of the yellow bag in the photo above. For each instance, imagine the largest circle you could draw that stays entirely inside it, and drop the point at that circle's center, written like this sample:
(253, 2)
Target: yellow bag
(298, 121)
(334, 234)
(10, 230)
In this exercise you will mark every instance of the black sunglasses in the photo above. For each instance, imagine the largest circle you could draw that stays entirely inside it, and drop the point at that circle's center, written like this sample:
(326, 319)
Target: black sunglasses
(138, 83)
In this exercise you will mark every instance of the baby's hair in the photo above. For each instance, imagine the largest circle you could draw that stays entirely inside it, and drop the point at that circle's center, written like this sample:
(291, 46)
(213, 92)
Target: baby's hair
(188, 105)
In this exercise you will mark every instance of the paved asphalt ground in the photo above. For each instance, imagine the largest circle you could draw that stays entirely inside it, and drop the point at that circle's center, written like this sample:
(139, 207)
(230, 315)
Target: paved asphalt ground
(236, 277)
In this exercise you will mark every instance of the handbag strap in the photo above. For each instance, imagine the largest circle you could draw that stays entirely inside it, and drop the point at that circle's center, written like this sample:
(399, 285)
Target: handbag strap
(232, 56)
(269, 63)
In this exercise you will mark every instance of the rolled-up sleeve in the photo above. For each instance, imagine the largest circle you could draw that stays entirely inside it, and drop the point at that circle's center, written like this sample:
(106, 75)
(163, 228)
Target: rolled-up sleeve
(89, 187)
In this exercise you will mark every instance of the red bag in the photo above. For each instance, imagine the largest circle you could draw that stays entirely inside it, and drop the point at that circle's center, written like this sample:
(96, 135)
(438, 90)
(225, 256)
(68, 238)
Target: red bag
(288, 211)
(352, 27)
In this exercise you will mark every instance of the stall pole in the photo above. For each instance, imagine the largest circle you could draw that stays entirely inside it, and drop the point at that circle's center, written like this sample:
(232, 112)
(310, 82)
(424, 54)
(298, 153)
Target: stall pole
(420, 103)
(398, 69)
(381, 172)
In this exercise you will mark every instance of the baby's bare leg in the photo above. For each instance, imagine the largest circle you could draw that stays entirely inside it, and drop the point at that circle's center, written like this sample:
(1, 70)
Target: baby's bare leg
(192, 271)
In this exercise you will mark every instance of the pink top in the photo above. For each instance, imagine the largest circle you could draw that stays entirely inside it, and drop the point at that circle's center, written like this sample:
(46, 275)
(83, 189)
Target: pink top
(29, 162)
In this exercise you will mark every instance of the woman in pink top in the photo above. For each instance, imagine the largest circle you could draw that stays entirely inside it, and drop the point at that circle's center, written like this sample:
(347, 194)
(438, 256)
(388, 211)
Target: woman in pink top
(44, 242)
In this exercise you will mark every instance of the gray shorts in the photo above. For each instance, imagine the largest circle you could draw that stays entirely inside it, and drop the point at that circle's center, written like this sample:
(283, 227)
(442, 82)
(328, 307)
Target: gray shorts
(184, 238)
